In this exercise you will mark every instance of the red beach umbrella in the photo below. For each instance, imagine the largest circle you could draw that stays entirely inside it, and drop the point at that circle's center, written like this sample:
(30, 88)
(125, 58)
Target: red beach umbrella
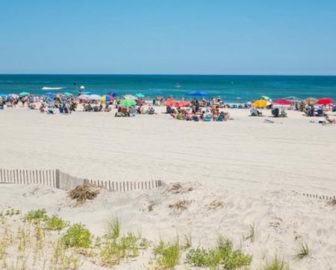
(170, 102)
(325, 100)
(182, 103)
(282, 101)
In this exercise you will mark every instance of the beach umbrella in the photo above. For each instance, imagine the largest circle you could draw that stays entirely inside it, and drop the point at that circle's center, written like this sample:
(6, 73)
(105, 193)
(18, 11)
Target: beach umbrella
(24, 94)
(106, 98)
(84, 97)
(49, 93)
(67, 94)
(309, 101)
(197, 93)
(259, 103)
(170, 102)
(113, 94)
(282, 101)
(182, 103)
(13, 95)
(325, 100)
(159, 97)
(127, 102)
(94, 97)
(140, 95)
(130, 97)
(3, 95)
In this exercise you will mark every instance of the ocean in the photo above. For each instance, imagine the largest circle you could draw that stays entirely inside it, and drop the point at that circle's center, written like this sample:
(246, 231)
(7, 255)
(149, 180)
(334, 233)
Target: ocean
(232, 88)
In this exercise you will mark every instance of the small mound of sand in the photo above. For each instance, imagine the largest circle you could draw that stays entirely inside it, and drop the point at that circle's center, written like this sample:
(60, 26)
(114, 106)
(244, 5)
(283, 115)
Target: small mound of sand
(84, 192)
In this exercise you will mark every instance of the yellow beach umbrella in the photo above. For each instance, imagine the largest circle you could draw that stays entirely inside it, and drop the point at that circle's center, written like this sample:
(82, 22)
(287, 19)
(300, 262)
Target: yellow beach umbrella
(260, 103)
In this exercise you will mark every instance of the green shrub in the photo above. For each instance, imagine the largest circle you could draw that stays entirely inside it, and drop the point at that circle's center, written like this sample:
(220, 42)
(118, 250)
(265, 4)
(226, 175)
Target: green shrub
(77, 236)
(168, 254)
(223, 255)
(36, 215)
(55, 223)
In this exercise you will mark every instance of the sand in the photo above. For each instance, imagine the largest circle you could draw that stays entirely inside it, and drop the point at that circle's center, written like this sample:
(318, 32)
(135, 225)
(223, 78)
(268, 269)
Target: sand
(258, 170)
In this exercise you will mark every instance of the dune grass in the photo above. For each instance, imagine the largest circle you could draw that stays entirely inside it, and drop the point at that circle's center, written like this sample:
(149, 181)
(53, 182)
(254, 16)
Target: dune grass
(275, 263)
(303, 251)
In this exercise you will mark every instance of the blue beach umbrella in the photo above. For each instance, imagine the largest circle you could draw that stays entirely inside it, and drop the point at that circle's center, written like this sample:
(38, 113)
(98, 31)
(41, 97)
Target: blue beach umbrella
(140, 95)
(113, 94)
(49, 93)
(3, 95)
(197, 93)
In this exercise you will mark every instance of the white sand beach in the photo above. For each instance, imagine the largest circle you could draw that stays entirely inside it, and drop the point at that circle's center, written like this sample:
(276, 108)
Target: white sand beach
(257, 170)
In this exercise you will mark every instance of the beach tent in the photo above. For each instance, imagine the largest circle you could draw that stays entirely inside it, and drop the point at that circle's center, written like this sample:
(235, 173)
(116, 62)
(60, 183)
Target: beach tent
(106, 98)
(140, 95)
(282, 101)
(325, 100)
(127, 102)
(259, 103)
(197, 93)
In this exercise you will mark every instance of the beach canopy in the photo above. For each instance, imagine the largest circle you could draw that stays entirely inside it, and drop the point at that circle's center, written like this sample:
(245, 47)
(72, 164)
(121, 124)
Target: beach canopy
(259, 103)
(282, 101)
(127, 102)
(106, 98)
(140, 95)
(325, 100)
(95, 97)
(197, 93)
(24, 94)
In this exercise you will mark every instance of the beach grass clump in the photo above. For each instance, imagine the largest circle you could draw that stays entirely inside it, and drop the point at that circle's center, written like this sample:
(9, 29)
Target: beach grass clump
(275, 263)
(303, 251)
(36, 215)
(84, 192)
(180, 205)
(77, 236)
(113, 228)
(54, 223)
(222, 255)
(168, 254)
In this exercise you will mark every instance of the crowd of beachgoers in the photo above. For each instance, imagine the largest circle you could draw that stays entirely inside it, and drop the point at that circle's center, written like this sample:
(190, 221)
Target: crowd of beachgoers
(195, 109)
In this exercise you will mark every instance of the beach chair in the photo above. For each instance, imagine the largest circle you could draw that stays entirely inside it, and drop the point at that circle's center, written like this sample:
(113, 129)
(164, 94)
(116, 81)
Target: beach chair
(276, 112)
(207, 118)
(319, 113)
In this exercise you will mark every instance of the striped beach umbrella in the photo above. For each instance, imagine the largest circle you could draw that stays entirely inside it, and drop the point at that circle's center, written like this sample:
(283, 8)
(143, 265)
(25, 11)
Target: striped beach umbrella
(106, 98)
(259, 103)
(23, 94)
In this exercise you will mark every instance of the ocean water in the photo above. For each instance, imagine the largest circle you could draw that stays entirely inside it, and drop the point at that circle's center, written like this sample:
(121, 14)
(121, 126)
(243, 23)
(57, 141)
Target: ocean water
(232, 88)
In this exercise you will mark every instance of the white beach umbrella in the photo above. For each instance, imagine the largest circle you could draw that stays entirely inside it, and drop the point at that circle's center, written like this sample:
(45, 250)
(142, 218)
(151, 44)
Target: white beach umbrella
(84, 97)
(95, 97)
(130, 97)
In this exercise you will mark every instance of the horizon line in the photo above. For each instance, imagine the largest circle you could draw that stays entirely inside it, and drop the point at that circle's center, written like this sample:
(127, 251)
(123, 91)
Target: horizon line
(169, 74)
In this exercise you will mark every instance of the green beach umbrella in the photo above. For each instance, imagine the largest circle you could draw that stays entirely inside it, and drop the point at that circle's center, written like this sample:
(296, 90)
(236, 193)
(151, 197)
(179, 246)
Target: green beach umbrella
(24, 94)
(67, 94)
(140, 95)
(127, 102)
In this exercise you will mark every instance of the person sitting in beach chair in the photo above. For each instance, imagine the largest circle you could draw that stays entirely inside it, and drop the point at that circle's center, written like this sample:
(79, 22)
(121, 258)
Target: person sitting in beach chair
(276, 112)
(220, 117)
(150, 110)
(133, 111)
(320, 112)
(255, 112)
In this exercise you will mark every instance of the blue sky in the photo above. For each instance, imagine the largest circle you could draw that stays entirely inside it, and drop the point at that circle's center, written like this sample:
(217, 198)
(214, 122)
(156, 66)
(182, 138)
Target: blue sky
(168, 37)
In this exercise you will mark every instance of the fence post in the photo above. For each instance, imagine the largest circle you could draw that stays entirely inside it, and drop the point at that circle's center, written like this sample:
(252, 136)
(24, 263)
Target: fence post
(57, 178)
